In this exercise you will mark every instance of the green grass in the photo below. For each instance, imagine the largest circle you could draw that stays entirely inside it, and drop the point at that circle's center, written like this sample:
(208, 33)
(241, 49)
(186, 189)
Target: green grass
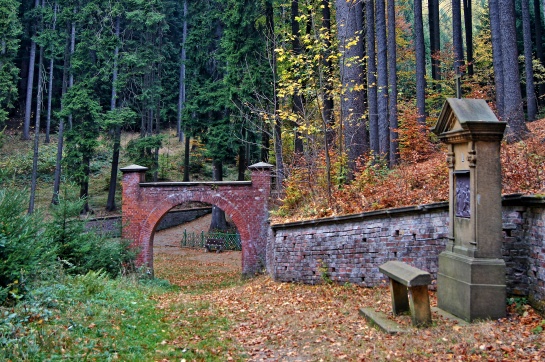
(91, 317)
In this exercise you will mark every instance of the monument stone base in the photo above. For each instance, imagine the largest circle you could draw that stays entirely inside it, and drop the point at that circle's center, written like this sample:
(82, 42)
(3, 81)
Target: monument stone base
(471, 288)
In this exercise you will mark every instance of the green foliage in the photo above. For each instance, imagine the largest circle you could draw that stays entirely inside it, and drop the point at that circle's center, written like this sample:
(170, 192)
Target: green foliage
(142, 151)
(19, 165)
(10, 31)
(81, 251)
(86, 317)
(24, 249)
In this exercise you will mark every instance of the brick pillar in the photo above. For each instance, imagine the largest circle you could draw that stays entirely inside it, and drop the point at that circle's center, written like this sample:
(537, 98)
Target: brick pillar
(255, 258)
(131, 204)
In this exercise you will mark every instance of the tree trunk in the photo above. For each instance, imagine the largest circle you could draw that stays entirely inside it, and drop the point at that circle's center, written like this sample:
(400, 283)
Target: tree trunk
(50, 81)
(531, 102)
(513, 112)
(497, 56)
(84, 185)
(349, 25)
(435, 41)
(538, 29)
(183, 57)
(382, 81)
(60, 134)
(392, 81)
(72, 50)
(242, 163)
(298, 102)
(372, 93)
(34, 176)
(277, 123)
(468, 21)
(328, 106)
(110, 203)
(186, 157)
(30, 83)
(218, 222)
(457, 41)
(420, 62)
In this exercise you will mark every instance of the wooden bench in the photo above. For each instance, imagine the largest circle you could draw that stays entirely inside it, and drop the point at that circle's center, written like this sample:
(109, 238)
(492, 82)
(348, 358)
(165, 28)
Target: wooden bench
(409, 291)
(216, 244)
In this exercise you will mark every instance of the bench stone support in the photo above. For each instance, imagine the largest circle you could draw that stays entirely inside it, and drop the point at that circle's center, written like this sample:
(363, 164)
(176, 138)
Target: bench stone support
(400, 299)
(409, 291)
(419, 301)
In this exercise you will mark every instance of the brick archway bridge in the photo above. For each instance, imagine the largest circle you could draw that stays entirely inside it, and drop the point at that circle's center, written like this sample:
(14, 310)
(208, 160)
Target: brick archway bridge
(246, 202)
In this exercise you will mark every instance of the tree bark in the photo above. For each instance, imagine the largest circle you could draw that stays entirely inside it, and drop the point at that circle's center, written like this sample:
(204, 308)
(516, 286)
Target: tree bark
(513, 111)
(50, 81)
(420, 62)
(538, 29)
(372, 93)
(531, 101)
(218, 222)
(497, 56)
(34, 176)
(30, 83)
(457, 41)
(392, 81)
(183, 58)
(298, 102)
(328, 106)
(468, 21)
(382, 80)
(110, 203)
(435, 41)
(349, 25)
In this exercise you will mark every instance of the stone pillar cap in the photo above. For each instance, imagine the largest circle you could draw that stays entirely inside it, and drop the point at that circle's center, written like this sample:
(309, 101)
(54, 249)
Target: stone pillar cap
(261, 166)
(134, 168)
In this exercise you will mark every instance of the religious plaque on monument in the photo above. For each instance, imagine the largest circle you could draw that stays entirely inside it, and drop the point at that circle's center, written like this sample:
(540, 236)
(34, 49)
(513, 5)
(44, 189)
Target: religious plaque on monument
(471, 277)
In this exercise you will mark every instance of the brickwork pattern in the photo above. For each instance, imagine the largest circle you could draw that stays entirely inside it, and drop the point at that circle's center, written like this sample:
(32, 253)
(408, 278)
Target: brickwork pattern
(145, 204)
(350, 249)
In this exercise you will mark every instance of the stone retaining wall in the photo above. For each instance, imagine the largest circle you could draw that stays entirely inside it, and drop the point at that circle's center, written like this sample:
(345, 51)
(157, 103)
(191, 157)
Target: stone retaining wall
(111, 225)
(350, 248)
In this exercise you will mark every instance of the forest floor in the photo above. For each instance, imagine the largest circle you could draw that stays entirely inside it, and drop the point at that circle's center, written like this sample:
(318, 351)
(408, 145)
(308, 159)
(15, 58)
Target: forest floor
(271, 321)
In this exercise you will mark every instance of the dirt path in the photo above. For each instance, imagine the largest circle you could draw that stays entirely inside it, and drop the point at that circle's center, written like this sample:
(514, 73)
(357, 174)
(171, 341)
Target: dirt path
(166, 245)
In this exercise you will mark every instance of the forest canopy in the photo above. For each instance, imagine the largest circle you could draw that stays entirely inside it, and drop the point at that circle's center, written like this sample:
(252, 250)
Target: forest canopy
(346, 90)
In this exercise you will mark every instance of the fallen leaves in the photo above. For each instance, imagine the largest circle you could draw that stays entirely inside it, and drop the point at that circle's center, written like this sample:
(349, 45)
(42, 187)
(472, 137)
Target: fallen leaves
(273, 321)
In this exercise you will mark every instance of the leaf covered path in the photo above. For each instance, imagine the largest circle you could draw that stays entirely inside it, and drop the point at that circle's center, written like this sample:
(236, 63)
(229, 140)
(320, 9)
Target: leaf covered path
(219, 316)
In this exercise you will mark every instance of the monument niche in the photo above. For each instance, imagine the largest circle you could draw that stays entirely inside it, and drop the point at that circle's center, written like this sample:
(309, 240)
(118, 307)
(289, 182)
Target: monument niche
(471, 276)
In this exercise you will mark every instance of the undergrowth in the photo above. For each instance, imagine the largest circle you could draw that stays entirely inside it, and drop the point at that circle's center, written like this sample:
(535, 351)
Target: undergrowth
(420, 177)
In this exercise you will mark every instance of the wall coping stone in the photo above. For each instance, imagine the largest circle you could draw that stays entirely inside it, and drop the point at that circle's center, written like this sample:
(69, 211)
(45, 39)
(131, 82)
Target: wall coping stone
(196, 183)
(355, 217)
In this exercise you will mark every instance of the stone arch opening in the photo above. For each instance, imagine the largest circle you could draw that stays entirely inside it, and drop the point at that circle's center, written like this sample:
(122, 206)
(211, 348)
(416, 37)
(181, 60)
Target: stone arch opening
(246, 202)
(180, 236)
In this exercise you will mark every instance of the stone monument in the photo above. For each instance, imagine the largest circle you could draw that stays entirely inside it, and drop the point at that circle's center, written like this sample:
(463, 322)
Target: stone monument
(471, 276)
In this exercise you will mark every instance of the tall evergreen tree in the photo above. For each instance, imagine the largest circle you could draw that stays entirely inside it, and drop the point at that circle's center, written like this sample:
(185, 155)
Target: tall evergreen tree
(531, 101)
(382, 80)
(372, 93)
(435, 39)
(420, 62)
(352, 107)
(497, 56)
(10, 31)
(392, 81)
(513, 110)
(457, 41)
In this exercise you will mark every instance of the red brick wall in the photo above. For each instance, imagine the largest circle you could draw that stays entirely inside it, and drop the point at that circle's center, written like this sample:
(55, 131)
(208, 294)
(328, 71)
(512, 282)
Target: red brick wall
(144, 204)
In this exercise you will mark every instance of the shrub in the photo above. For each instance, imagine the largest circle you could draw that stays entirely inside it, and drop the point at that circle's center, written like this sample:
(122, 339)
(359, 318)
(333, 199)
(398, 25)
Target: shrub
(81, 251)
(24, 249)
